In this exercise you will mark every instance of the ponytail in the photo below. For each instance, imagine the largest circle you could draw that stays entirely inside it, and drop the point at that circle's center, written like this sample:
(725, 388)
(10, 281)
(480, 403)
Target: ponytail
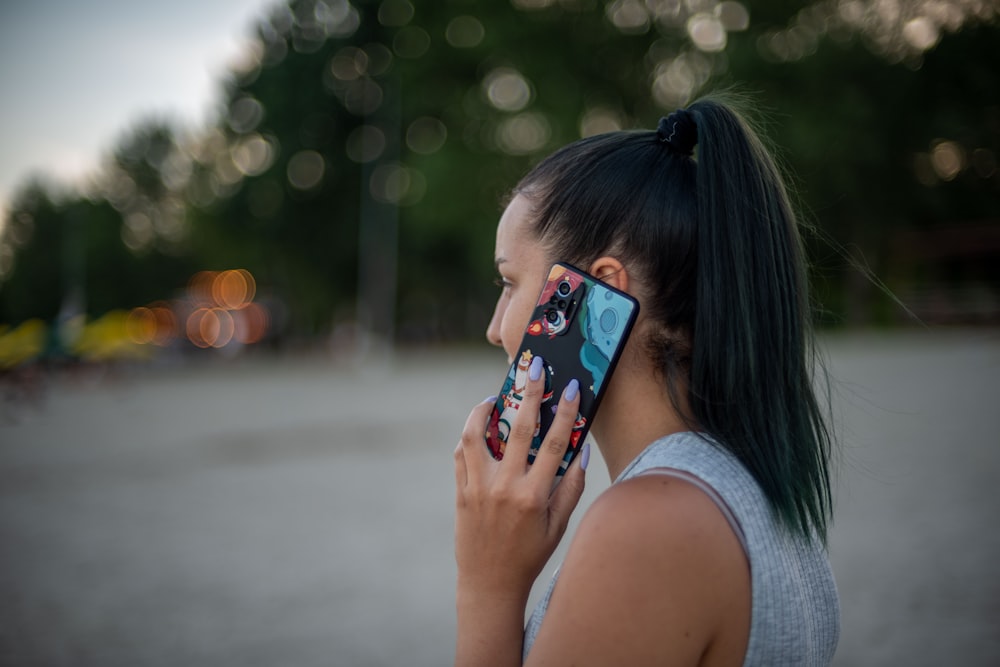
(751, 380)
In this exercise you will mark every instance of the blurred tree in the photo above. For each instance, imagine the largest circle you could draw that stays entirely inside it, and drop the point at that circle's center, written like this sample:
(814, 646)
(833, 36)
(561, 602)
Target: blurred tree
(71, 257)
(33, 236)
(121, 247)
(860, 133)
(363, 149)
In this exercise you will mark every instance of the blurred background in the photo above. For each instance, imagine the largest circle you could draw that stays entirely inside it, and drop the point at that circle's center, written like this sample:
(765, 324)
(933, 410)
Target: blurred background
(238, 338)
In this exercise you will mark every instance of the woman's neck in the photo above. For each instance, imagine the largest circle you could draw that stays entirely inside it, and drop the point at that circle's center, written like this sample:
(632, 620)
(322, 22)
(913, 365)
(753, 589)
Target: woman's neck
(635, 411)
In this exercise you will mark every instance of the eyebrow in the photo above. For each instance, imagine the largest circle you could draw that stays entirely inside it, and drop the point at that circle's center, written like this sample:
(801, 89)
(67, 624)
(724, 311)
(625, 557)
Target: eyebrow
(498, 261)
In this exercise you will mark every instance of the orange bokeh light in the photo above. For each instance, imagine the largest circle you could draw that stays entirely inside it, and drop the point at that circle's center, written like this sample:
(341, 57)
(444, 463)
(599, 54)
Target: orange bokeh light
(154, 324)
(251, 324)
(224, 310)
(210, 327)
(140, 325)
(233, 289)
(166, 325)
(200, 286)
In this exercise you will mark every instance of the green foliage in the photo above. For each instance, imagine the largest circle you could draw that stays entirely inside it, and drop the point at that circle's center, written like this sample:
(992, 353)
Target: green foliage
(72, 256)
(35, 286)
(281, 184)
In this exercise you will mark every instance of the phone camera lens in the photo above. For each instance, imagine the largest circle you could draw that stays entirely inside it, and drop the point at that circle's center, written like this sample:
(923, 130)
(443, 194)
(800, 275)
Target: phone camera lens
(552, 316)
(564, 288)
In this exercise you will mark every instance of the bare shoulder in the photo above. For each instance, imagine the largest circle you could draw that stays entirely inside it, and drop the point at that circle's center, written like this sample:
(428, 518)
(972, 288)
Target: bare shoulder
(654, 574)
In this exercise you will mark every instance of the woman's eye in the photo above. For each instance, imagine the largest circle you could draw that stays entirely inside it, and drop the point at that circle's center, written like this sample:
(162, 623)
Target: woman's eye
(501, 282)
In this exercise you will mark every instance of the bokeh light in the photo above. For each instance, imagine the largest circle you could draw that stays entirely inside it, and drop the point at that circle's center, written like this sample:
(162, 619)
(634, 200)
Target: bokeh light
(210, 327)
(464, 32)
(365, 143)
(254, 154)
(362, 97)
(245, 114)
(305, 170)
(349, 63)
(897, 31)
(948, 159)
(251, 324)
(598, 120)
(380, 58)
(137, 231)
(426, 135)
(154, 324)
(217, 311)
(411, 42)
(629, 16)
(233, 289)
(141, 325)
(707, 32)
(679, 75)
(507, 89)
(677, 80)
(523, 134)
(395, 13)
(734, 15)
(200, 286)
(396, 184)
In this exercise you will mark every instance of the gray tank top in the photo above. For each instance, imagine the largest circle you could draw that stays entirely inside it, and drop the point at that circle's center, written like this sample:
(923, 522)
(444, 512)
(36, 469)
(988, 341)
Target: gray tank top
(795, 613)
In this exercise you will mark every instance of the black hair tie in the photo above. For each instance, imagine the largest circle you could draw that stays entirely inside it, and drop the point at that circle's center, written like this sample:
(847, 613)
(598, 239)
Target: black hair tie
(678, 131)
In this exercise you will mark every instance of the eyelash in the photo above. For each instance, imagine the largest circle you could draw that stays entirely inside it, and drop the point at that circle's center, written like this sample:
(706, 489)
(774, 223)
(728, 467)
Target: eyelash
(501, 282)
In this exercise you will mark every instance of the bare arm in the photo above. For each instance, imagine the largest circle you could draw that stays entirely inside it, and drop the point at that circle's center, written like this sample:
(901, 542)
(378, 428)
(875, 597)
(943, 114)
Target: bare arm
(654, 575)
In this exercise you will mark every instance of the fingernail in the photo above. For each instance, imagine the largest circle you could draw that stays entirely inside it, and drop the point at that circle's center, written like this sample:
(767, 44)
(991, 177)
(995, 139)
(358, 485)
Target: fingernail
(535, 370)
(490, 399)
(585, 456)
(572, 389)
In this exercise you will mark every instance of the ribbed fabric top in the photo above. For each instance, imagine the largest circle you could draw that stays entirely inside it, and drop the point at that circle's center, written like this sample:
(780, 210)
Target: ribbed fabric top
(795, 612)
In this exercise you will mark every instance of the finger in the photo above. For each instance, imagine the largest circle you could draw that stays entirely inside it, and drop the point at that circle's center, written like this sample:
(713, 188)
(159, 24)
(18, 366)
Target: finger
(472, 446)
(569, 491)
(522, 431)
(461, 472)
(553, 449)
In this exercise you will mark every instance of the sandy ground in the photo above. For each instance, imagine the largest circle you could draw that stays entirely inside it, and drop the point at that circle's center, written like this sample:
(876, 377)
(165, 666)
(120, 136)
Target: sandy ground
(298, 512)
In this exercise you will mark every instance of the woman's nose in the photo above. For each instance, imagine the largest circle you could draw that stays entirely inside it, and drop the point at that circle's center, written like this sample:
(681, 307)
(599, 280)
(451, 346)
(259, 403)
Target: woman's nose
(493, 329)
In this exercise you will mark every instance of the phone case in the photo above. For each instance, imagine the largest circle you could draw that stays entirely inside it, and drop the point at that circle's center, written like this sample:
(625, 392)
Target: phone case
(579, 328)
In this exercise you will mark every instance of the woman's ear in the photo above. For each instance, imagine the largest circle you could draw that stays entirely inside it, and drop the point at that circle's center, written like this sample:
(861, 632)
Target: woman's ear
(609, 270)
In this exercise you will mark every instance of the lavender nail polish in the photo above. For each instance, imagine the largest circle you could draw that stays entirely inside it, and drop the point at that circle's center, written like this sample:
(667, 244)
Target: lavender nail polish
(535, 370)
(572, 389)
(585, 456)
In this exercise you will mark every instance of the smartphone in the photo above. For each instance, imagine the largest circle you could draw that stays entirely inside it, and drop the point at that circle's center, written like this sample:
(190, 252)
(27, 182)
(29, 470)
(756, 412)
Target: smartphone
(579, 328)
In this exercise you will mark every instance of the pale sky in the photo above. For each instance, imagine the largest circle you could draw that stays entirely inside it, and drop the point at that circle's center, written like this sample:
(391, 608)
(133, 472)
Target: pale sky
(76, 74)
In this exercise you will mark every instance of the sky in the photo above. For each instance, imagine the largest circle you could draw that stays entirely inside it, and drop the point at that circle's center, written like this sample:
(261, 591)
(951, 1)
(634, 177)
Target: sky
(76, 74)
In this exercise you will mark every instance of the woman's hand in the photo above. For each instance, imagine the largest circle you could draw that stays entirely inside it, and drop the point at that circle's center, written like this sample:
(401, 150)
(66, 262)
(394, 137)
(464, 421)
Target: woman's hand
(509, 520)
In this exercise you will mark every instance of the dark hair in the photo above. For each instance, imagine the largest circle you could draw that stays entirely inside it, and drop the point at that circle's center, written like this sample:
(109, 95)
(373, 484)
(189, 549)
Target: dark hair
(713, 241)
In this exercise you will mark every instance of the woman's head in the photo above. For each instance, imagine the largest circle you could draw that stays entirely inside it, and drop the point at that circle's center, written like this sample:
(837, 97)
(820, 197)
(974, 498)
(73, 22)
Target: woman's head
(630, 196)
(712, 251)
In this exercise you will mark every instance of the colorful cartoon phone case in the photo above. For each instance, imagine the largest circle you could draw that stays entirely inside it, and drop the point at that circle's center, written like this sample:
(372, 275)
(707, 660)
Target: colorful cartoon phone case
(579, 328)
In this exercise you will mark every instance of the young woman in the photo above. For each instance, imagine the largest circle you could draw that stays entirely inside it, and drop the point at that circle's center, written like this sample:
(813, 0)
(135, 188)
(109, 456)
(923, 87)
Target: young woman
(709, 548)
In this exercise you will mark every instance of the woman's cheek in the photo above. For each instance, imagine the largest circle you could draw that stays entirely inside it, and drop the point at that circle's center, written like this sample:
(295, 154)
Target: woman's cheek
(515, 321)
